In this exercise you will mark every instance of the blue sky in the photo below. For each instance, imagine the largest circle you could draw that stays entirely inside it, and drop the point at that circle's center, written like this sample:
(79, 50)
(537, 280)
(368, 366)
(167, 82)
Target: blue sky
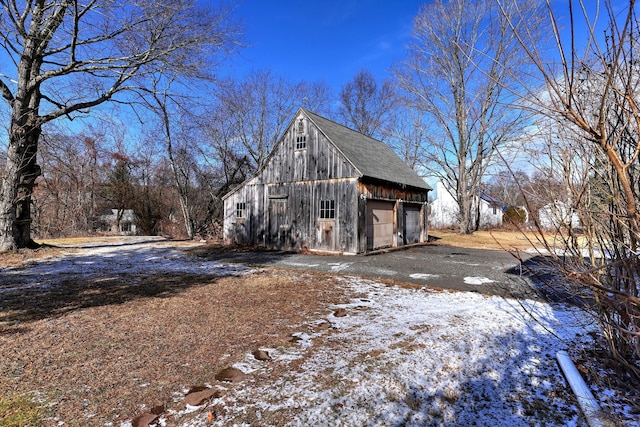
(328, 40)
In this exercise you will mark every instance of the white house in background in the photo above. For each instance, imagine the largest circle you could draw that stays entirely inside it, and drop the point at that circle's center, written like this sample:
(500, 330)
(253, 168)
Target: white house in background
(127, 224)
(444, 209)
(556, 215)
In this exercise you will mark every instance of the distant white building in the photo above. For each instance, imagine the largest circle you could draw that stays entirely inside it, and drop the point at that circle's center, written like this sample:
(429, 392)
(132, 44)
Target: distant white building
(444, 209)
(557, 215)
(127, 225)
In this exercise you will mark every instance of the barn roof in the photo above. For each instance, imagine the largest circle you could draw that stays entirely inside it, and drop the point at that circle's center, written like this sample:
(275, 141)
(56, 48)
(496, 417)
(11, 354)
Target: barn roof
(373, 158)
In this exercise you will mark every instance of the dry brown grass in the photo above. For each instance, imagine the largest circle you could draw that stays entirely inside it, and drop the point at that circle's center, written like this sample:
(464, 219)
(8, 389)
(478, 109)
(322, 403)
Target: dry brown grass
(494, 239)
(95, 351)
(15, 258)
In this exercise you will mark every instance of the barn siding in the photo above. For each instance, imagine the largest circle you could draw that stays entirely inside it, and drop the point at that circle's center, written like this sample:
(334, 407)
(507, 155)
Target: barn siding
(320, 160)
(303, 228)
(289, 189)
(382, 191)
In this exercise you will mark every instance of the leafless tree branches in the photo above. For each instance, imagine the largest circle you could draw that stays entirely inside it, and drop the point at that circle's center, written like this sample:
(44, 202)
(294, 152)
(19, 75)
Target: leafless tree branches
(590, 89)
(367, 106)
(68, 56)
(462, 58)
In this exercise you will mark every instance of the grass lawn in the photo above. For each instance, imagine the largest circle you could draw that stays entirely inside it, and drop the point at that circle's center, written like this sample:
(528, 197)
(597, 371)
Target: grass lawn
(494, 239)
(98, 349)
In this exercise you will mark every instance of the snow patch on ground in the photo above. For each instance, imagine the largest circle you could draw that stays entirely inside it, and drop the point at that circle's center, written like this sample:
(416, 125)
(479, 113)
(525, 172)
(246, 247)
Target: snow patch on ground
(135, 255)
(477, 280)
(339, 266)
(416, 357)
(424, 276)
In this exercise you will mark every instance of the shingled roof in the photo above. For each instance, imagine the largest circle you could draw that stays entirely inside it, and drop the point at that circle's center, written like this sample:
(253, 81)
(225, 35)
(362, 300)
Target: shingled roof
(373, 158)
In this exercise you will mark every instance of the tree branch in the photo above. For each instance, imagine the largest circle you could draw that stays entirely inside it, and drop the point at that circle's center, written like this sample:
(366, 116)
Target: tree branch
(6, 92)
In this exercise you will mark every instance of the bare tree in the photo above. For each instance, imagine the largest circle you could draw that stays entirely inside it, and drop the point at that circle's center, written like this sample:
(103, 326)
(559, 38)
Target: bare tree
(153, 200)
(505, 186)
(455, 74)
(315, 96)
(120, 187)
(406, 133)
(366, 106)
(66, 201)
(591, 89)
(169, 108)
(68, 56)
(229, 164)
(259, 108)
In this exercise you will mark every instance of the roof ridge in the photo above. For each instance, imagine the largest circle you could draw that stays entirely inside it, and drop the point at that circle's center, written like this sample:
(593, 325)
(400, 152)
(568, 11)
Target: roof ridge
(344, 126)
(371, 157)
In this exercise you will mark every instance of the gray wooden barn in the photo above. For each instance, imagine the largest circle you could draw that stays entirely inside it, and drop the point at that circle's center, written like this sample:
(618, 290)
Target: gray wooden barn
(325, 187)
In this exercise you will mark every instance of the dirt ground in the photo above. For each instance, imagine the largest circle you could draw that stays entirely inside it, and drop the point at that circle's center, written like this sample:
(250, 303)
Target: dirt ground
(71, 345)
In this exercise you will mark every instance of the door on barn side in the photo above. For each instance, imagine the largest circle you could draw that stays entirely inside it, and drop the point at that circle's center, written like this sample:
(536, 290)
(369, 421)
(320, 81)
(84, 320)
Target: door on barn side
(411, 225)
(379, 224)
(279, 225)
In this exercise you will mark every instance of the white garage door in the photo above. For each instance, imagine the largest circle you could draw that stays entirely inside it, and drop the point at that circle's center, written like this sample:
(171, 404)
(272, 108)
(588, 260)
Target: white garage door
(379, 224)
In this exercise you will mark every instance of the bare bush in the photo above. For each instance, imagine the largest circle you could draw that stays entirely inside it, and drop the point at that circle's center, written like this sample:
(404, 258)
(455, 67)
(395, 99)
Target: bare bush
(591, 94)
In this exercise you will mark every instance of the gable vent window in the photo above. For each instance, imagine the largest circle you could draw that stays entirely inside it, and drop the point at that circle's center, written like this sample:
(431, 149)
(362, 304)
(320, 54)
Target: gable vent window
(241, 210)
(327, 209)
(301, 136)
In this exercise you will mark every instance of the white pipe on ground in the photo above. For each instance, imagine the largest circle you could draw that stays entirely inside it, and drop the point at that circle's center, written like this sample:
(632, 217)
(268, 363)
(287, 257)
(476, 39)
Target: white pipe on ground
(588, 403)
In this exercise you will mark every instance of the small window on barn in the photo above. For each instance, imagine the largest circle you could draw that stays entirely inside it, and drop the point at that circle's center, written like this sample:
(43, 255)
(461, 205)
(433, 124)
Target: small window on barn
(241, 210)
(327, 209)
(301, 135)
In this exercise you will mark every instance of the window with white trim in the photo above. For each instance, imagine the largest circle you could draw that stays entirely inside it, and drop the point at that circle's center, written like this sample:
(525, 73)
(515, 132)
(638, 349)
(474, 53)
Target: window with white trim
(327, 209)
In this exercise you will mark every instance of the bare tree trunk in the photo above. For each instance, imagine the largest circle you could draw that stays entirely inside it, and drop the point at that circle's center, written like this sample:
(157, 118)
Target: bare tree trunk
(18, 182)
(182, 187)
(21, 170)
(465, 201)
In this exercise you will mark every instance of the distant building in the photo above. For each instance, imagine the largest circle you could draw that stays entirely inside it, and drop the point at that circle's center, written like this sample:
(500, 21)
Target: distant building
(122, 222)
(445, 211)
(558, 215)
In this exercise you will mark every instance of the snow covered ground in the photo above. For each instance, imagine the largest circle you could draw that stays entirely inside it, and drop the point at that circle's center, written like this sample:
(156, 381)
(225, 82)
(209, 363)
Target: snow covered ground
(410, 357)
(111, 257)
(414, 358)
